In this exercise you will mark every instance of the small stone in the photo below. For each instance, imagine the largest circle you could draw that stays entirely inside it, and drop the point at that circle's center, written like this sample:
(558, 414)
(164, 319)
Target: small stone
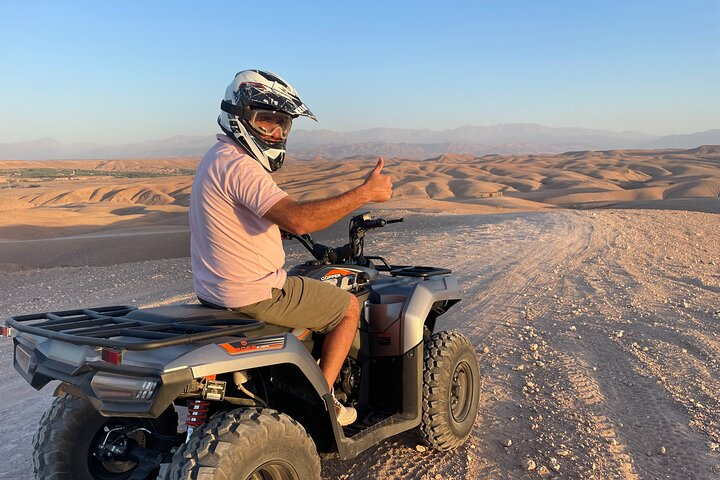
(555, 467)
(562, 452)
(486, 350)
(534, 347)
(543, 470)
(619, 334)
(714, 447)
(573, 328)
(506, 443)
(421, 448)
(529, 464)
(662, 451)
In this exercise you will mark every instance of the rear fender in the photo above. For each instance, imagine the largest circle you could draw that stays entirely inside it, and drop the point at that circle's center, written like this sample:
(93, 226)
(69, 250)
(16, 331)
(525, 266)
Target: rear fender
(290, 363)
(236, 354)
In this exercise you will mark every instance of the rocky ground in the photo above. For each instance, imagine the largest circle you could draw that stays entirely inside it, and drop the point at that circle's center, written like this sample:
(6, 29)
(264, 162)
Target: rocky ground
(597, 334)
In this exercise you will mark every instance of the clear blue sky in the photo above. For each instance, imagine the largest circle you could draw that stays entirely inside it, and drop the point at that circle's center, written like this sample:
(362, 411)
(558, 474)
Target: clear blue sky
(123, 71)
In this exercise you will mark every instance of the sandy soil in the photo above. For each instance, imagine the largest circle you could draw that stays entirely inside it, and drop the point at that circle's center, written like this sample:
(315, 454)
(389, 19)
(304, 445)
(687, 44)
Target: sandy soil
(597, 333)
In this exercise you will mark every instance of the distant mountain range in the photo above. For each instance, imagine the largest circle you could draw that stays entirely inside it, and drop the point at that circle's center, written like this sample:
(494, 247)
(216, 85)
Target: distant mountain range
(390, 142)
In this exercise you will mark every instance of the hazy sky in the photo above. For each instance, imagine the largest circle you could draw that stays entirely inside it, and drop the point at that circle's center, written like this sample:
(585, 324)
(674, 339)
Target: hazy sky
(123, 71)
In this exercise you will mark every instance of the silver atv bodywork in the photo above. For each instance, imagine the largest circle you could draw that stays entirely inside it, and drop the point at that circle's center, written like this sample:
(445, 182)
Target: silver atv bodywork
(408, 301)
(395, 313)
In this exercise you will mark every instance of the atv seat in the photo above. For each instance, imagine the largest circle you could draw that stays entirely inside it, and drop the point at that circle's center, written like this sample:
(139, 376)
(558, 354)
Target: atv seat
(186, 312)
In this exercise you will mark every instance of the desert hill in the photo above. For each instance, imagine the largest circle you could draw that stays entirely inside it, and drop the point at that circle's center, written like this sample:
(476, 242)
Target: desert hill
(581, 179)
(89, 208)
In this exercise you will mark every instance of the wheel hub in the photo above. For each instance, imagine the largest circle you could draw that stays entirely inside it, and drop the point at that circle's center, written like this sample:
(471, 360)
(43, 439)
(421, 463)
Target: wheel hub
(110, 449)
(461, 390)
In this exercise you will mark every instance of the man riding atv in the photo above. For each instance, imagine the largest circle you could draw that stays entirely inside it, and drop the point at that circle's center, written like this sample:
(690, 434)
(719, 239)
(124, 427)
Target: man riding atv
(255, 401)
(237, 211)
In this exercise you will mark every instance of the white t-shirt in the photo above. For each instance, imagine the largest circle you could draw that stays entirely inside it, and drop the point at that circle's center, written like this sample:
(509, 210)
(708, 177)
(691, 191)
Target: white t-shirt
(237, 256)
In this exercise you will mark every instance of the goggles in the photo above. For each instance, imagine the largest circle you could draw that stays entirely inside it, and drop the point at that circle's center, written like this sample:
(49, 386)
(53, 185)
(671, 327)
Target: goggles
(272, 126)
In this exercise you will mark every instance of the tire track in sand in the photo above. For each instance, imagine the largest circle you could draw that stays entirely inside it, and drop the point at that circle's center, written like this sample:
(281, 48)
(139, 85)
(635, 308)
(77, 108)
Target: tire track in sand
(500, 298)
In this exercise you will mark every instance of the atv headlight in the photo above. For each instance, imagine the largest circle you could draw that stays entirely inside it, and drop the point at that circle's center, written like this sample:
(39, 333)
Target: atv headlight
(108, 386)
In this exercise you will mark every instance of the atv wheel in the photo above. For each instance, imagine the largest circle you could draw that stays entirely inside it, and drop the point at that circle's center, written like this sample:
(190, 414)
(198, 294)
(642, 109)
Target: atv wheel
(451, 381)
(248, 444)
(70, 433)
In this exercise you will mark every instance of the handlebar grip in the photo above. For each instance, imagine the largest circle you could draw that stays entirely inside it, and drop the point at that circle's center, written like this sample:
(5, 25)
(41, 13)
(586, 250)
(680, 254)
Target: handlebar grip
(375, 223)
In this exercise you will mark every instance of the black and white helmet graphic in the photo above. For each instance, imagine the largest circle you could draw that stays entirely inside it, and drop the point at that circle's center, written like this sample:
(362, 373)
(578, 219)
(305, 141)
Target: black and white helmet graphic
(257, 112)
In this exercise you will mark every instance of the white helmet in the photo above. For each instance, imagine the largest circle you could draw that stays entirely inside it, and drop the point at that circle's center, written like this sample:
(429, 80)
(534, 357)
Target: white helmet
(257, 112)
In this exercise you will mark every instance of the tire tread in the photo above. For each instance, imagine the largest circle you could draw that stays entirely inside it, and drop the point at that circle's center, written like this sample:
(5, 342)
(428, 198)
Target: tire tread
(205, 455)
(440, 351)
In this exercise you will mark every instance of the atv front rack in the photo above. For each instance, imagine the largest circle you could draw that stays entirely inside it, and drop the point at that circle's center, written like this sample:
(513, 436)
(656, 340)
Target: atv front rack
(407, 270)
(96, 327)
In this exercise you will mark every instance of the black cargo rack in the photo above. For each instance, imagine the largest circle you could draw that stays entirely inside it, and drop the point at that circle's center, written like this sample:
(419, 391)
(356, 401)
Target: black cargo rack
(96, 326)
(417, 271)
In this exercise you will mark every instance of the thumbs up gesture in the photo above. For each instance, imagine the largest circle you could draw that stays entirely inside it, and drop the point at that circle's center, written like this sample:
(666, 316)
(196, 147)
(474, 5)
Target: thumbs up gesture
(377, 185)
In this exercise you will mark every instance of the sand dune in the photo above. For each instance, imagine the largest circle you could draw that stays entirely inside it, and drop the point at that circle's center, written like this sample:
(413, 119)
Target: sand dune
(71, 205)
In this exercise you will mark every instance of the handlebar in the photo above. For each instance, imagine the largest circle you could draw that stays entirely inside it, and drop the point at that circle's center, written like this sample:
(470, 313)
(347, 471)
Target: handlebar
(351, 252)
(366, 223)
(375, 223)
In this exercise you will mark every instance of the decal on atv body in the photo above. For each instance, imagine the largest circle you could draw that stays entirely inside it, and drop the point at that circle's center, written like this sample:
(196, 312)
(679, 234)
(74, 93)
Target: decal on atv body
(253, 345)
(340, 277)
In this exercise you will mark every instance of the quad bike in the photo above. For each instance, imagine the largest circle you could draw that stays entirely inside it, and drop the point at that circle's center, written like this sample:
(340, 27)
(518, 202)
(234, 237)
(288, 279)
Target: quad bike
(257, 404)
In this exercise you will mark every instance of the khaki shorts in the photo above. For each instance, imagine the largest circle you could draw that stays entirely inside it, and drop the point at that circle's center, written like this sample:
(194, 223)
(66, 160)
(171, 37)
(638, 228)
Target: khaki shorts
(301, 303)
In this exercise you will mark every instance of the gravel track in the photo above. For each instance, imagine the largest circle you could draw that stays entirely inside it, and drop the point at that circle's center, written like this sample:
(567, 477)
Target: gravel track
(597, 333)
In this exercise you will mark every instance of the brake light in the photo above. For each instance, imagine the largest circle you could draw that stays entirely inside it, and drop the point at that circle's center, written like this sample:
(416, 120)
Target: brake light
(108, 386)
(25, 359)
(112, 355)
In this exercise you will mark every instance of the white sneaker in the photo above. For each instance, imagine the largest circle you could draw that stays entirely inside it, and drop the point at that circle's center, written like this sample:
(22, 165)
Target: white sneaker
(345, 415)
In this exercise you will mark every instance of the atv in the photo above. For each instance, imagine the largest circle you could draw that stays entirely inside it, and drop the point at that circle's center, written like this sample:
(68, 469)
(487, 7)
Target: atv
(255, 402)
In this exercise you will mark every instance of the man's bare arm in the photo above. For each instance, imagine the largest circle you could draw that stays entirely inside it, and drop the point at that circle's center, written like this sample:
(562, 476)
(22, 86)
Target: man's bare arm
(307, 217)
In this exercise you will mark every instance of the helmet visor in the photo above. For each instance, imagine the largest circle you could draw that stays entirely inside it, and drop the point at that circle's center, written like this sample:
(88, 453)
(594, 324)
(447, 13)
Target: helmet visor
(272, 126)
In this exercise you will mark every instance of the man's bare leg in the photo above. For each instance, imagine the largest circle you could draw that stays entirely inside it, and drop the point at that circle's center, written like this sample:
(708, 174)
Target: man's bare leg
(337, 343)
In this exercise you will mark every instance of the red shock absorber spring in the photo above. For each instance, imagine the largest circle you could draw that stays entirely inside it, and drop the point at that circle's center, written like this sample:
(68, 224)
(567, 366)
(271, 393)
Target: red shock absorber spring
(197, 413)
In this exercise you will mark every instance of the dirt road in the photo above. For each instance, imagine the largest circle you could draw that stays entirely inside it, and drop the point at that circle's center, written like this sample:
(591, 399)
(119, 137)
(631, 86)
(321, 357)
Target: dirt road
(597, 332)
(598, 339)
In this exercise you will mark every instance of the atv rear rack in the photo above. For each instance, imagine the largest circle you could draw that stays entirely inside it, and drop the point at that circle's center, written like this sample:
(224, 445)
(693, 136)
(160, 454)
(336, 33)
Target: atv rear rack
(96, 327)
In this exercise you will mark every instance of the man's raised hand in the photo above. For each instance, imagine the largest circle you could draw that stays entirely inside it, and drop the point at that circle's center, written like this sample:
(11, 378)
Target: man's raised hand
(378, 186)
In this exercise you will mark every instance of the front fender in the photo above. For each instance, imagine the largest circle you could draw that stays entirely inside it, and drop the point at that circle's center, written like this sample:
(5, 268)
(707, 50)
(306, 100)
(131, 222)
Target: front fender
(419, 304)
